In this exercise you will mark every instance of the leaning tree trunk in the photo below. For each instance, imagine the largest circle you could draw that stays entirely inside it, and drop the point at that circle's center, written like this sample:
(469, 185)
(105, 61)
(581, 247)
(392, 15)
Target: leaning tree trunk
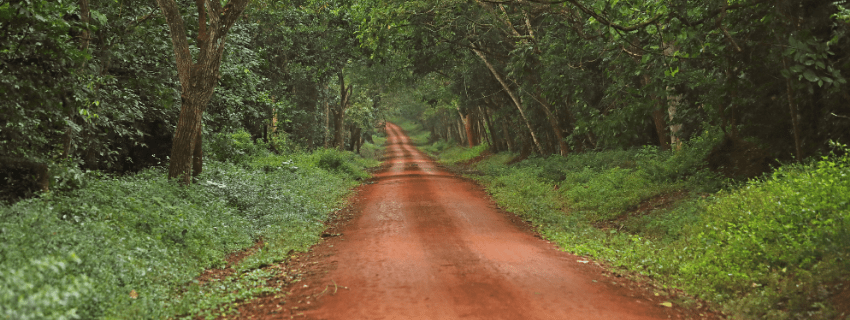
(563, 147)
(513, 97)
(197, 78)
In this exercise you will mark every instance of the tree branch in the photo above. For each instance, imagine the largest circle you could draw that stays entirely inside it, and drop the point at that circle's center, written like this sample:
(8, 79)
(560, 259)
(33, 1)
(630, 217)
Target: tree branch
(177, 29)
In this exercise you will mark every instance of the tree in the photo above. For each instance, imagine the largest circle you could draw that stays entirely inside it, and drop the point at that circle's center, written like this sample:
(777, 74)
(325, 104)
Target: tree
(198, 76)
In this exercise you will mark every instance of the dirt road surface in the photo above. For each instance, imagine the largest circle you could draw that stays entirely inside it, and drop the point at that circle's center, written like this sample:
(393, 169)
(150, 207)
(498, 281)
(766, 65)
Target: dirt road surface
(422, 243)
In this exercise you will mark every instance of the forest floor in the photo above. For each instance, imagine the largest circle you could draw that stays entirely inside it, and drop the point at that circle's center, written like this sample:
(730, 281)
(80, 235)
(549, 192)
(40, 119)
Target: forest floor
(418, 242)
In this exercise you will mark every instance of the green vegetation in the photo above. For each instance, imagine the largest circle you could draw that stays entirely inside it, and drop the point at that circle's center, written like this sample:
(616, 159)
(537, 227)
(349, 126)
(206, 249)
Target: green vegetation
(658, 112)
(130, 247)
(770, 248)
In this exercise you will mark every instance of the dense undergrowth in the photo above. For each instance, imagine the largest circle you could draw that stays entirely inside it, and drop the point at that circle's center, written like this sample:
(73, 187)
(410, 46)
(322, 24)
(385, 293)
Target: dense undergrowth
(131, 247)
(771, 248)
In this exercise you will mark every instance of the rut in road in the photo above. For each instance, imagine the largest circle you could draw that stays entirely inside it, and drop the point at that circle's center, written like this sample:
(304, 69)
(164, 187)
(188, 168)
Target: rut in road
(426, 244)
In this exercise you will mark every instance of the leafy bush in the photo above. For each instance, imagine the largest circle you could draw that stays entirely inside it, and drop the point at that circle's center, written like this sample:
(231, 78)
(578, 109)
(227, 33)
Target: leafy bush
(34, 290)
(456, 154)
(605, 195)
(439, 147)
(792, 228)
(124, 247)
(236, 147)
(343, 162)
(764, 250)
(374, 151)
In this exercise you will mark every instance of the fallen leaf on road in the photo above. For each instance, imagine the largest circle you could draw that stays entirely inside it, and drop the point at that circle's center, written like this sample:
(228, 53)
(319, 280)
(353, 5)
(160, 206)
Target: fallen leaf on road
(667, 304)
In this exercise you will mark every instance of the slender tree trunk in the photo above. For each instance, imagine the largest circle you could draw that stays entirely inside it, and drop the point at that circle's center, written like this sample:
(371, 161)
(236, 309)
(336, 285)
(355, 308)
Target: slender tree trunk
(730, 119)
(492, 137)
(482, 129)
(658, 116)
(327, 118)
(339, 113)
(556, 127)
(513, 97)
(461, 132)
(795, 116)
(355, 138)
(508, 141)
(469, 122)
(674, 129)
(448, 129)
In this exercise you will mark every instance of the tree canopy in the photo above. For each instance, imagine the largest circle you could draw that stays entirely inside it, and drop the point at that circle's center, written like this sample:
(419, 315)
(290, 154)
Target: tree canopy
(93, 85)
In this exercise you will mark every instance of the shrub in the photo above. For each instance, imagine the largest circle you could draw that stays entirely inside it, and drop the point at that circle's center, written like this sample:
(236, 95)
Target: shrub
(236, 147)
(41, 288)
(123, 248)
(343, 162)
(766, 249)
(455, 154)
(791, 228)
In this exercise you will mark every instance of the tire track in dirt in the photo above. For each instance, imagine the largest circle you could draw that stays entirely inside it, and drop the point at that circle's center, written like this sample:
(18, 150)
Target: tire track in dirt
(425, 244)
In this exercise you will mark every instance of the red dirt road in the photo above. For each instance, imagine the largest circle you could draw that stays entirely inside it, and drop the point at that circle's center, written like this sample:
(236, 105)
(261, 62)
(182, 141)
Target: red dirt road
(425, 244)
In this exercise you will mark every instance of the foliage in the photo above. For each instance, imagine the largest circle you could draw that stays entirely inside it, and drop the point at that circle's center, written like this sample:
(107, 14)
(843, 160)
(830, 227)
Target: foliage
(458, 154)
(34, 290)
(217, 298)
(236, 147)
(414, 131)
(789, 229)
(120, 247)
(603, 74)
(771, 248)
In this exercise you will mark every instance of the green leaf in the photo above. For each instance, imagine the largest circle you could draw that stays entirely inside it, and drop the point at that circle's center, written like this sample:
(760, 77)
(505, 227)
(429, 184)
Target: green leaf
(101, 18)
(810, 75)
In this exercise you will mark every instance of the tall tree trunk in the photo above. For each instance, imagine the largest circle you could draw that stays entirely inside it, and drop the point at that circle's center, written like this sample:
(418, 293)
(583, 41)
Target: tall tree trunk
(508, 141)
(482, 130)
(448, 129)
(495, 144)
(355, 139)
(327, 117)
(658, 117)
(676, 128)
(563, 147)
(461, 132)
(197, 78)
(795, 116)
(513, 97)
(339, 113)
(470, 121)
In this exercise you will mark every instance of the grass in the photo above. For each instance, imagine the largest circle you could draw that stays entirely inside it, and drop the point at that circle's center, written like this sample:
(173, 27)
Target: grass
(131, 247)
(771, 248)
